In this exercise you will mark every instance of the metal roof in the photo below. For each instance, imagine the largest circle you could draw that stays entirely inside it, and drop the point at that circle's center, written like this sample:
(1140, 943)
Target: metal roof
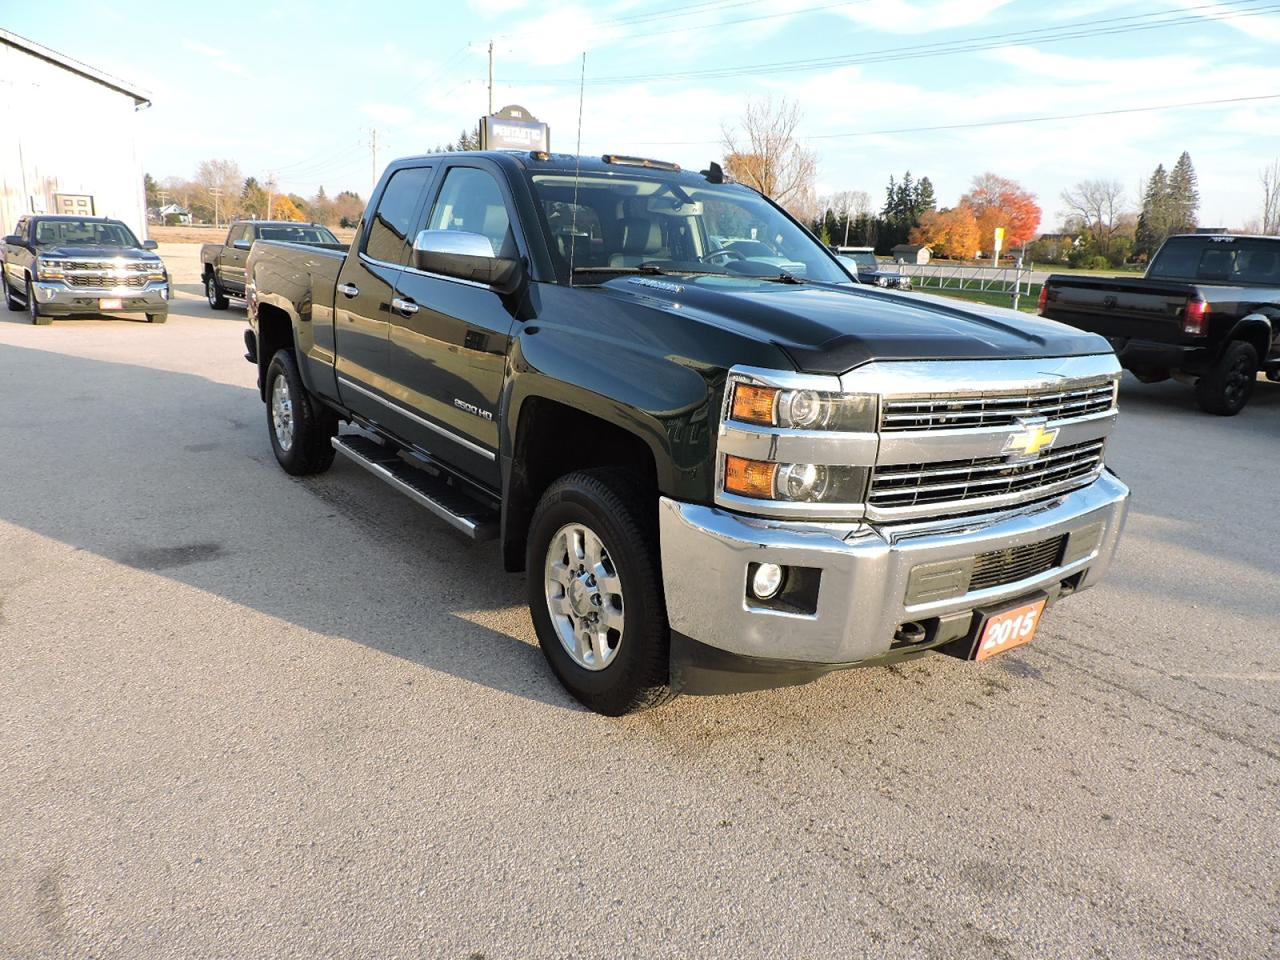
(141, 98)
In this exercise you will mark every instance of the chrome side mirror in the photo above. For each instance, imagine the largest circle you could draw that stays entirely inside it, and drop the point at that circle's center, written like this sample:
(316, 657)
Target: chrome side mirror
(466, 256)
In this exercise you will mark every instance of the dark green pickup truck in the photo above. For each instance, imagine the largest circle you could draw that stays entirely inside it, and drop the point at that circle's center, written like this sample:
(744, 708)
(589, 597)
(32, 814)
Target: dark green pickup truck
(719, 470)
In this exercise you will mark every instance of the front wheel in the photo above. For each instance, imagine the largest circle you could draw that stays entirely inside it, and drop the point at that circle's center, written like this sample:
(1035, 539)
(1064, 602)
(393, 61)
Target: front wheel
(213, 292)
(1226, 388)
(10, 300)
(33, 308)
(595, 591)
(157, 317)
(300, 426)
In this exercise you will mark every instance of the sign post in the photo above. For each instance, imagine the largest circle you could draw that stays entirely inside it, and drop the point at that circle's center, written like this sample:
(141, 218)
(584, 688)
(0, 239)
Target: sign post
(514, 128)
(995, 257)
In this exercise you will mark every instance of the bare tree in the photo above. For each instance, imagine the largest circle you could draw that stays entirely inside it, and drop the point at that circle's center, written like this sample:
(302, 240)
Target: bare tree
(1098, 205)
(766, 155)
(1270, 177)
(219, 184)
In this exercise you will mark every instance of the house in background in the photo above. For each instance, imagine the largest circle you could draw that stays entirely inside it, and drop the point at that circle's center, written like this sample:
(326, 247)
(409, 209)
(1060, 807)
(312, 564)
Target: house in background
(71, 138)
(911, 253)
(173, 213)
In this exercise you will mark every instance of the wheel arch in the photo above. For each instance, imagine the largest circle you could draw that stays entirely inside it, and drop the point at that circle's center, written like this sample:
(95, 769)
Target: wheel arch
(273, 331)
(1255, 330)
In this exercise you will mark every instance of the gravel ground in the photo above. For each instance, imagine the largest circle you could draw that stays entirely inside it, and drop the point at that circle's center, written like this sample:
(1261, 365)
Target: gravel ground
(250, 716)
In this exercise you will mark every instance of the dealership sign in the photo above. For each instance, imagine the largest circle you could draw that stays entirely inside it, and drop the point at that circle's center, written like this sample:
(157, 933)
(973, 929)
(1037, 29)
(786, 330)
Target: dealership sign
(514, 128)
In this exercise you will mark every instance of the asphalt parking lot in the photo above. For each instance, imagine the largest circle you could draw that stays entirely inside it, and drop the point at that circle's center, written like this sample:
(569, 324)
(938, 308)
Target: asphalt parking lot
(245, 715)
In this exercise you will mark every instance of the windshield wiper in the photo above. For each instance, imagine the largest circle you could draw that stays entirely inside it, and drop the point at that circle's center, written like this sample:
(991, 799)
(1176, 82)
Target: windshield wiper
(648, 268)
(782, 277)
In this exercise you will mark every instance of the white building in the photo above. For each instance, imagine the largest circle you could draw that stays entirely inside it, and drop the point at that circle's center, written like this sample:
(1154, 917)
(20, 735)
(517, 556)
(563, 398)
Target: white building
(71, 137)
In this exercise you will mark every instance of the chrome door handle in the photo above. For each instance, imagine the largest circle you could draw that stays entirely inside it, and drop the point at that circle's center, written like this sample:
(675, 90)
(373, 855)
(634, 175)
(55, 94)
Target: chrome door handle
(348, 289)
(407, 307)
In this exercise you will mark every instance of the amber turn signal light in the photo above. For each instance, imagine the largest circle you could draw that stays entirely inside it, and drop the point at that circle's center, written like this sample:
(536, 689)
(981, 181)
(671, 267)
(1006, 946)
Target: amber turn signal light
(749, 478)
(753, 404)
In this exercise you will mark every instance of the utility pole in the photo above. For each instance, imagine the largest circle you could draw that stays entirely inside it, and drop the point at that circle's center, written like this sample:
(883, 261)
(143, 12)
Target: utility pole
(216, 193)
(490, 113)
(373, 143)
(271, 186)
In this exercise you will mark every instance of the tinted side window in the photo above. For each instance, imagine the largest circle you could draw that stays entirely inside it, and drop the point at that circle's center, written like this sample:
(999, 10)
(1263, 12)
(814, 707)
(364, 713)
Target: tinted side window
(388, 237)
(470, 200)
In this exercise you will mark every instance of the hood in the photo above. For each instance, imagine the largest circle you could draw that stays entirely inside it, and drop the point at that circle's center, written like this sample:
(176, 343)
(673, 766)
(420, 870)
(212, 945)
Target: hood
(93, 251)
(830, 329)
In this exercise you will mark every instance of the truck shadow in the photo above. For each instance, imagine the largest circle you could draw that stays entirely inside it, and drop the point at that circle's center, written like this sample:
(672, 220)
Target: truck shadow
(172, 474)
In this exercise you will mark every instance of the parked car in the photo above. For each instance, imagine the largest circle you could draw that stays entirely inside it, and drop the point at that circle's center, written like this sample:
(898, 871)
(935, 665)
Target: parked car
(1207, 311)
(223, 270)
(716, 476)
(82, 266)
(862, 261)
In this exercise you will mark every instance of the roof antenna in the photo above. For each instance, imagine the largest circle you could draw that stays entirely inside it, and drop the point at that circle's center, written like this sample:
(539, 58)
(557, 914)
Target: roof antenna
(577, 168)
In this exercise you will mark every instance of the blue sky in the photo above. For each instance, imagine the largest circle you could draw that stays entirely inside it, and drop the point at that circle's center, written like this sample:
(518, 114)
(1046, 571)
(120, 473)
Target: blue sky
(296, 87)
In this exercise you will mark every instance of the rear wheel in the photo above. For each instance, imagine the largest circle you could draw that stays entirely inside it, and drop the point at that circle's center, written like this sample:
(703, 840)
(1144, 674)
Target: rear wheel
(595, 592)
(1226, 388)
(33, 308)
(300, 426)
(213, 292)
(157, 317)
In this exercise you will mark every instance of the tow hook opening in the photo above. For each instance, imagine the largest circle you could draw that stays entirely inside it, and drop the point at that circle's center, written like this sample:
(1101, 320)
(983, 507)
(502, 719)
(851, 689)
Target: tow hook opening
(909, 634)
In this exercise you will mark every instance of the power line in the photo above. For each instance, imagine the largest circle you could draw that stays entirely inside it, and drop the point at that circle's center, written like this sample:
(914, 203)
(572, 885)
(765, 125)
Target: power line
(1086, 29)
(993, 123)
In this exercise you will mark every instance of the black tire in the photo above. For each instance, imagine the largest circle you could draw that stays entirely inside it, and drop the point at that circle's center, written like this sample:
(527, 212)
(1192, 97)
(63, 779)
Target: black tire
(33, 308)
(157, 317)
(312, 423)
(213, 292)
(621, 514)
(1226, 388)
(10, 300)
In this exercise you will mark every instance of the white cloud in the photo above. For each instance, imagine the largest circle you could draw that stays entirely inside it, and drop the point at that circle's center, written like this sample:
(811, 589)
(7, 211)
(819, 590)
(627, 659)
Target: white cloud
(1259, 27)
(905, 16)
(386, 112)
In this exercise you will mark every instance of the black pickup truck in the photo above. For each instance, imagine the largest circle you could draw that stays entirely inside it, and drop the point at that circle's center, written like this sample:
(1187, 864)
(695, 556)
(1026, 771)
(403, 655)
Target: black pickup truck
(223, 263)
(719, 473)
(1207, 311)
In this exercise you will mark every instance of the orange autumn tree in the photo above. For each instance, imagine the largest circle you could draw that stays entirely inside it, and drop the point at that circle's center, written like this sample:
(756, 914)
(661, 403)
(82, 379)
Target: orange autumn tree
(282, 208)
(948, 233)
(999, 202)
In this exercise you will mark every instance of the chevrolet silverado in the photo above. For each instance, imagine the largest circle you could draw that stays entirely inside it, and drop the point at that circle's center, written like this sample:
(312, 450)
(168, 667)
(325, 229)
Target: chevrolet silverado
(718, 473)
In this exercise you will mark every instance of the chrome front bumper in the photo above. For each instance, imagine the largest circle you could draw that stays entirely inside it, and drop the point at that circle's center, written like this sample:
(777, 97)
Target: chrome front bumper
(866, 571)
(58, 299)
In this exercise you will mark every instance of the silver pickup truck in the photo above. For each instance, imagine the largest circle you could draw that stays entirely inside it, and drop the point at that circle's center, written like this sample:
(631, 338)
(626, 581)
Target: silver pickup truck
(82, 266)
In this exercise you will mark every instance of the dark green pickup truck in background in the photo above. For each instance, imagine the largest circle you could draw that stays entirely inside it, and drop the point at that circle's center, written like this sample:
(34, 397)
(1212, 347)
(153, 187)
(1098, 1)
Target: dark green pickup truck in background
(222, 270)
(720, 465)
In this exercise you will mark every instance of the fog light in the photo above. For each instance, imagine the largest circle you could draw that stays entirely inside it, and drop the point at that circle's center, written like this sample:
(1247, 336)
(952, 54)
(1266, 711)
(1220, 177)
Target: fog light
(767, 581)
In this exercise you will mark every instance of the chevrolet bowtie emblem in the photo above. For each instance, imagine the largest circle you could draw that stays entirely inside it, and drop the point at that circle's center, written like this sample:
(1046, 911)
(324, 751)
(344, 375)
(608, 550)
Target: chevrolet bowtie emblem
(1031, 441)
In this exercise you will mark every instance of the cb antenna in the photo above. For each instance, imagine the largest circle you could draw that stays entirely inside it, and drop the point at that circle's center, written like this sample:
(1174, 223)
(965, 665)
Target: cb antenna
(577, 170)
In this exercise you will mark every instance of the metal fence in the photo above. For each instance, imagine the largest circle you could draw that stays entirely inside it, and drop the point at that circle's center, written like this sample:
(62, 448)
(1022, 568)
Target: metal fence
(1015, 280)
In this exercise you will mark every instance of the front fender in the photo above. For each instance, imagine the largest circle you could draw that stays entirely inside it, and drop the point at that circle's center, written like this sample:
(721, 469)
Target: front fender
(664, 402)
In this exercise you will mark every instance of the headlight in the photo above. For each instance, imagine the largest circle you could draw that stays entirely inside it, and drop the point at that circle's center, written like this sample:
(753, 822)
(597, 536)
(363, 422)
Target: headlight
(794, 482)
(882, 281)
(802, 409)
(51, 269)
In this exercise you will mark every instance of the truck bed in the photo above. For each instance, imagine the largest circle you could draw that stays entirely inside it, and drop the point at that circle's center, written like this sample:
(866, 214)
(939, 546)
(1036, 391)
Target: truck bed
(302, 274)
(1120, 307)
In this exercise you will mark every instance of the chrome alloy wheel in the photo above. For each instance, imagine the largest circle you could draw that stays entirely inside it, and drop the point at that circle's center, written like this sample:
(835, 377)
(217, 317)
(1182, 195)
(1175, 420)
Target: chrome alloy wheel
(282, 412)
(210, 288)
(584, 596)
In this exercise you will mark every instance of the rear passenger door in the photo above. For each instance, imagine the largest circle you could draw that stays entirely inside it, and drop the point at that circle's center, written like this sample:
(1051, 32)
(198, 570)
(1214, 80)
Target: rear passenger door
(366, 286)
(449, 337)
(231, 263)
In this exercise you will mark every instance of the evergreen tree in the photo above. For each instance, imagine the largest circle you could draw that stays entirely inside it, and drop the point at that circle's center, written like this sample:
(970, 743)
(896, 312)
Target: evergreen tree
(925, 199)
(1154, 219)
(1184, 195)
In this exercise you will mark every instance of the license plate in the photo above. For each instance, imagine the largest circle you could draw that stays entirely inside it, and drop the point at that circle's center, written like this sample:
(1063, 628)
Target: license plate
(1008, 629)
(111, 303)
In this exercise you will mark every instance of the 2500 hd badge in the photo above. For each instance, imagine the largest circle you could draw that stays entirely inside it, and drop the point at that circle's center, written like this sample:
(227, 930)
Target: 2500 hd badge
(749, 472)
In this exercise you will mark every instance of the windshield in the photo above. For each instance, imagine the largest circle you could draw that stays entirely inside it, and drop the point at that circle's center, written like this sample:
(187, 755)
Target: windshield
(297, 234)
(1239, 260)
(83, 233)
(631, 220)
(864, 259)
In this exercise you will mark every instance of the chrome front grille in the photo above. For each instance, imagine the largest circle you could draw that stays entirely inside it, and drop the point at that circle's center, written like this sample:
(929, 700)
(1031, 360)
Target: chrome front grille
(999, 567)
(956, 411)
(961, 482)
(101, 281)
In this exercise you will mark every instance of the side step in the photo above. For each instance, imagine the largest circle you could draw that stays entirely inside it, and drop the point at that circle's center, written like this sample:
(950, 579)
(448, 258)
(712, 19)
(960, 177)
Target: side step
(457, 509)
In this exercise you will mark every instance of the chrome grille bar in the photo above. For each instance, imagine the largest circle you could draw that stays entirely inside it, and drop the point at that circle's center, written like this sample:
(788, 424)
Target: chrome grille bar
(994, 409)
